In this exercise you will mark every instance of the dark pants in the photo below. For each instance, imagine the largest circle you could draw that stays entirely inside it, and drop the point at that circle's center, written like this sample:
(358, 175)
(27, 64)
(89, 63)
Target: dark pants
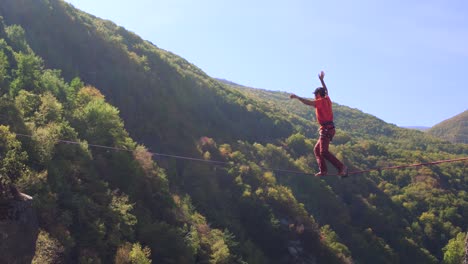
(321, 150)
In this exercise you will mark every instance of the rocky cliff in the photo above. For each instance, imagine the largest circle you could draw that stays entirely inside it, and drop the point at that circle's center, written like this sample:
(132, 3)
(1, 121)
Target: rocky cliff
(18, 230)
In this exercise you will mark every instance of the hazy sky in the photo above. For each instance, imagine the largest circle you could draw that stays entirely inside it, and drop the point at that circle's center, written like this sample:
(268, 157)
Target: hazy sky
(405, 62)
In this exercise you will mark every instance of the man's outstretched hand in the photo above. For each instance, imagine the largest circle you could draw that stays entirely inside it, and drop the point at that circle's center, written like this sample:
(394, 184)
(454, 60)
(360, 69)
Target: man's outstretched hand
(321, 75)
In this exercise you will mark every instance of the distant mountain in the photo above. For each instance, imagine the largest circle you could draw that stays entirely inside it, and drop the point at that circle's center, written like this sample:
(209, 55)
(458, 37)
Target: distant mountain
(454, 129)
(420, 128)
(228, 82)
(351, 120)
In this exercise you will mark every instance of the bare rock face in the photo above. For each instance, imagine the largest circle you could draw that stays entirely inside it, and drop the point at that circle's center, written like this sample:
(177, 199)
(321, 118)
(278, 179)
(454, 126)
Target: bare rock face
(18, 230)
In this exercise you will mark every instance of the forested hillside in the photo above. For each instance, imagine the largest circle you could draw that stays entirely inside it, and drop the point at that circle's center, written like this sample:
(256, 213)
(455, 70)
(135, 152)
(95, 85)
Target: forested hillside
(162, 98)
(454, 129)
(93, 205)
(108, 196)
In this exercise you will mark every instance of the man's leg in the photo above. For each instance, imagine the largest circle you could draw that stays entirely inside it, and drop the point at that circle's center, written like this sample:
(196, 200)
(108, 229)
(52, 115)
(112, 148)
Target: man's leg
(320, 158)
(325, 153)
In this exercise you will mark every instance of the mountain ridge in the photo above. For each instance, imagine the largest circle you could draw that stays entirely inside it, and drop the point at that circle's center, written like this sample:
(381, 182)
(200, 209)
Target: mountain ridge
(285, 94)
(420, 128)
(142, 67)
(454, 129)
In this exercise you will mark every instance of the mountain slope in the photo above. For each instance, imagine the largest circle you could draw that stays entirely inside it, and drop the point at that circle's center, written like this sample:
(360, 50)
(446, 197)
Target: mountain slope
(352, 121)
(138, 188)
(420, 128)
(100, 202)
(87, 208)
(163, 99)
(268, 216)
(373, 140)
(454, 129)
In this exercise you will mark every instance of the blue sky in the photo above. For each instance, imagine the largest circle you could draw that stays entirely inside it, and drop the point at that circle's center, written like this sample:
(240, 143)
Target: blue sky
(405, 62)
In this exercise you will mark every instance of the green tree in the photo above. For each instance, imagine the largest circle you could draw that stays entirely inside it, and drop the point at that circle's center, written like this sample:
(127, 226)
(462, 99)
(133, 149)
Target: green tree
(454, 251)
(72, 91)
(121, 206)
(27, 74)
(50, 110)
(52, 82)
(99, 123)
(219, 250)
(140, 255)
(17, 38)
(12, 161)
(27, 103)
(299, 145)
(333, 241)
(4, 76)
(48, 249)
(132, 254)
(13, 158)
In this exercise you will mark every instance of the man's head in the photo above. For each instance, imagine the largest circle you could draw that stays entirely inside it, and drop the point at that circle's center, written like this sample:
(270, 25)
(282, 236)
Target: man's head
(320, 92)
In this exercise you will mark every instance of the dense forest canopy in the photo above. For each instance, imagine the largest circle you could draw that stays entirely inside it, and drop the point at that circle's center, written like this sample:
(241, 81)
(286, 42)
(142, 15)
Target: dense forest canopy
(79, 78)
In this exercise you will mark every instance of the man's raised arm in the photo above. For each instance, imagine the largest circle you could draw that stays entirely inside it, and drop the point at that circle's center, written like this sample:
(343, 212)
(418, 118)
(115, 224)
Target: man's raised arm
(321, 76)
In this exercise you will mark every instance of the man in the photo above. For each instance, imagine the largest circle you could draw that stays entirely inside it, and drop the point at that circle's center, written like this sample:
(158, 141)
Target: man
(324, 113)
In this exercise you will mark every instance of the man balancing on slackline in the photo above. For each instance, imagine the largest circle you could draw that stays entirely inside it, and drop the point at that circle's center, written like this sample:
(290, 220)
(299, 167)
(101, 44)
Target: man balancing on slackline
(324, 112)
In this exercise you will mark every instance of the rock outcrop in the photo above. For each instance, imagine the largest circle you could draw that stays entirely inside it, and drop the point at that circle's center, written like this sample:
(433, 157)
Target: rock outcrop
(18, 230)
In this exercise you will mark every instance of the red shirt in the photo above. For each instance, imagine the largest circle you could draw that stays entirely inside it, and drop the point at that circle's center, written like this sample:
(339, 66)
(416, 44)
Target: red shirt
(323, 110)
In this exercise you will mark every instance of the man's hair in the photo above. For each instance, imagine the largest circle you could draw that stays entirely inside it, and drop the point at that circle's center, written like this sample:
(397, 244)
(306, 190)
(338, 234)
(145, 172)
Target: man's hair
(321, 91)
